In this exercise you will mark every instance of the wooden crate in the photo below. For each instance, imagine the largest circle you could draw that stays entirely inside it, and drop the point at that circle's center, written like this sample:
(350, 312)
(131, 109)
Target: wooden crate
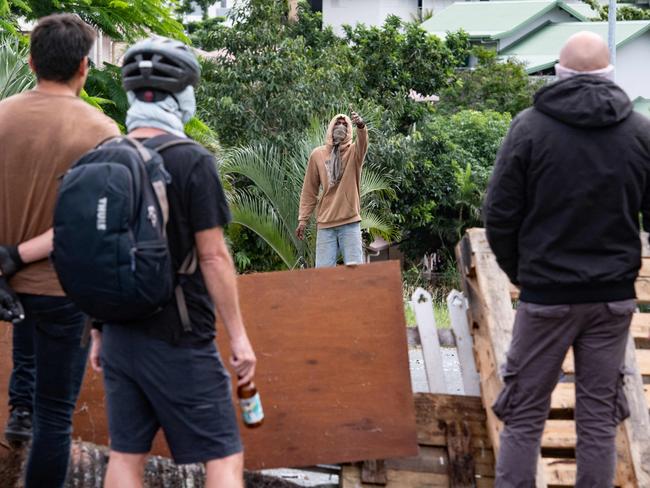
(443, 456)
(491, 316)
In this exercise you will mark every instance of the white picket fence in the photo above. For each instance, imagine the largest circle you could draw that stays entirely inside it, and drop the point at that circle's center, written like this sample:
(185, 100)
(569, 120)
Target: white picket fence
(430, 340)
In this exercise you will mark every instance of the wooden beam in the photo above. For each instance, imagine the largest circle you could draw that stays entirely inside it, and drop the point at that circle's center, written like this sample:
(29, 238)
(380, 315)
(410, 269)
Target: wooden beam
(637, 426)
(642, 361)
(374, 472)
(293, 10)
(491, 316)
(564, 396)
(461, 460)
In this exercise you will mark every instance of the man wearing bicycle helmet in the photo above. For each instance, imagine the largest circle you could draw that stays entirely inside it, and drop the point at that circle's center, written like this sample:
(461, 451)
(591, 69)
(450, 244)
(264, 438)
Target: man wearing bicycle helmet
(157, 374)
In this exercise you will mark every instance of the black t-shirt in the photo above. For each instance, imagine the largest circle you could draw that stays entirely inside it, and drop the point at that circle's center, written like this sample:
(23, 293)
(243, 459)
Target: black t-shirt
(196, 203)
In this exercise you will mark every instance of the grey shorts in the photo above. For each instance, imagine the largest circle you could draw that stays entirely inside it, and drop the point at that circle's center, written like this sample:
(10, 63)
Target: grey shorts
(151, 384)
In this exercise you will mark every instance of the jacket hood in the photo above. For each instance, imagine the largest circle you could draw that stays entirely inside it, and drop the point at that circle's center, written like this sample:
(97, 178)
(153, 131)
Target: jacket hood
(584, 101)
(329, 140)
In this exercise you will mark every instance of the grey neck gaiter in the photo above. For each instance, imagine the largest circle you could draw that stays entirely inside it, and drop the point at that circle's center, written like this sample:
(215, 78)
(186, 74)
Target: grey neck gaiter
(170, 114)
(333, 164)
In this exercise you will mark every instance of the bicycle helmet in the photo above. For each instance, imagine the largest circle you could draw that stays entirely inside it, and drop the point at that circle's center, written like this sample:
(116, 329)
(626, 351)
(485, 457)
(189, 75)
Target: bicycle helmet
(159, 63)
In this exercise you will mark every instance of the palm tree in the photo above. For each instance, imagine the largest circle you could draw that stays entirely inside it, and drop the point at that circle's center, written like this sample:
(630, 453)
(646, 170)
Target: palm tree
(269, 206)
(15, 75)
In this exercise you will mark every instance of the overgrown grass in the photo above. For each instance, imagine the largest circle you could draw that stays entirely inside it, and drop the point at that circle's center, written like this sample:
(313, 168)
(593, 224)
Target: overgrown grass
(413, 280)
(440, 313)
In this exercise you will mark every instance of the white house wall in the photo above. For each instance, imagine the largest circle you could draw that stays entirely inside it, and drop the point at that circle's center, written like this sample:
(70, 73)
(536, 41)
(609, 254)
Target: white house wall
(402, 8)
(556, 15)
(336, 13)
(633, 68)
(436, 5)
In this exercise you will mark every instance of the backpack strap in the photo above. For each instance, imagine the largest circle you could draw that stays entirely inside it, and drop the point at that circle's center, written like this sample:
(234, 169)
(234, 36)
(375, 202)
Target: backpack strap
(190, 263)
(159, 186)
(187, 268)
(175, 142)
(137, 145)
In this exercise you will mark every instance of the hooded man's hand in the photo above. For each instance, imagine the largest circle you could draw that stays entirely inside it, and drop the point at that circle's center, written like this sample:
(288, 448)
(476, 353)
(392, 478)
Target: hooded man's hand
(357, 120)
(11, 310)
(300, 230)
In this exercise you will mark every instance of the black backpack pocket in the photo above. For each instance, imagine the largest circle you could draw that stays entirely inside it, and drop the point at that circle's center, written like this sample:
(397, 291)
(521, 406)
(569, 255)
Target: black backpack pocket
(153, 273)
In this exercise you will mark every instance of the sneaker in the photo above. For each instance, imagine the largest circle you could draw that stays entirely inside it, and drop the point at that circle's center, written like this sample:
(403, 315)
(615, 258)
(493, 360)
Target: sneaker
(19, 425)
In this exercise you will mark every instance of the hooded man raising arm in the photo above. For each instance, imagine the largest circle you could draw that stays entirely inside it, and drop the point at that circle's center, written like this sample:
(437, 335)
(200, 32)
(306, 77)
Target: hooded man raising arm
(336, 169)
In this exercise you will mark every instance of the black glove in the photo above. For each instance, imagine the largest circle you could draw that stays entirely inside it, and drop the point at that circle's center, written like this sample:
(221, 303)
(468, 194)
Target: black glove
(11, 310)
(10, 261)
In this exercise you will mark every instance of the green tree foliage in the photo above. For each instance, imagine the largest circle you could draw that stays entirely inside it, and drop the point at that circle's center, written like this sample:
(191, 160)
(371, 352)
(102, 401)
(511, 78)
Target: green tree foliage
(492, 85)
(188, 6)
(118, 19)
(623, 12)
(275, 76)
(442, 170)
(396, 57)
(268, 84)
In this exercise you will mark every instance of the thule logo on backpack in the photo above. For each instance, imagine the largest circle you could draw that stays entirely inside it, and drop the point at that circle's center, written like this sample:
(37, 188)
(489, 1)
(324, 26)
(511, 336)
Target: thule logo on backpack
(102, 205)
(152, 215)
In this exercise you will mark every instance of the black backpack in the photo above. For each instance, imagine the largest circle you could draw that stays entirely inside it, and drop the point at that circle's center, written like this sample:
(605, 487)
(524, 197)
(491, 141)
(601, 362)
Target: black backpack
(110, 246)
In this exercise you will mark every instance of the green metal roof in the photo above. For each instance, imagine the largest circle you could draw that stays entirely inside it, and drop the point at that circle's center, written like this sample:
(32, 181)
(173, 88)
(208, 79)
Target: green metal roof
(642, 105)
(494, 20)
(540, 49)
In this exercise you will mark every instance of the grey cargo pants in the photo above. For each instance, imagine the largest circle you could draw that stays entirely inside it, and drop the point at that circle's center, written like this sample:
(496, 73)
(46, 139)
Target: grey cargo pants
(541, 339)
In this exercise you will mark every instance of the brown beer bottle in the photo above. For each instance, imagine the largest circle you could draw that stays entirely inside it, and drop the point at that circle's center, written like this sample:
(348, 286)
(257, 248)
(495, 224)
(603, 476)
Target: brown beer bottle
(251, 405)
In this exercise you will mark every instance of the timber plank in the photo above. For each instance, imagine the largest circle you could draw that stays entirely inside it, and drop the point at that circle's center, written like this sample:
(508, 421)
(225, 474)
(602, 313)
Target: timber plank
(351, 478)
(334, 381)
(637, 425)
(491, 317)
(642, 360)
(564, 396)
(642, 286)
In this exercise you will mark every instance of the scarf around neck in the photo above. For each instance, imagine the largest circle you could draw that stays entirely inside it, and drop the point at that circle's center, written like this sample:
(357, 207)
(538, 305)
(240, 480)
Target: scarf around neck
(170, 114)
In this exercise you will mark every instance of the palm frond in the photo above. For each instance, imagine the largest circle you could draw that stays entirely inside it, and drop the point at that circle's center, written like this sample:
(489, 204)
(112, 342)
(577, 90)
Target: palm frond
(265, 167)
(15, 75)
(259, 216)
(373, 183)
(378, 226)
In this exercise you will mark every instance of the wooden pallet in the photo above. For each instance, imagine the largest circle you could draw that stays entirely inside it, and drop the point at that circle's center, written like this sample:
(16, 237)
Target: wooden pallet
(491, 317)
(454, 448)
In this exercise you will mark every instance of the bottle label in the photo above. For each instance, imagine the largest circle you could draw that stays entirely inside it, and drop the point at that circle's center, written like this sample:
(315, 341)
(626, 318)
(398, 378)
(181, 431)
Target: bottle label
(251, 409)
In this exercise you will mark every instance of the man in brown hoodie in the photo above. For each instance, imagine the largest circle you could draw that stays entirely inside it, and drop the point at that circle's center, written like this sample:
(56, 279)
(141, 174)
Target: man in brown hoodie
(336, 168)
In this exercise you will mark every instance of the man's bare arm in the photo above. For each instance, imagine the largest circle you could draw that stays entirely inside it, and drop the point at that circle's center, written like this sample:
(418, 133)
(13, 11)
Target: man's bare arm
(37, 248)
(221, 279)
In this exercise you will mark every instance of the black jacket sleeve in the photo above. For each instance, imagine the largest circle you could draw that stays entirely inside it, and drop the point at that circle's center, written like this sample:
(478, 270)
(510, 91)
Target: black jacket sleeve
(505, 202)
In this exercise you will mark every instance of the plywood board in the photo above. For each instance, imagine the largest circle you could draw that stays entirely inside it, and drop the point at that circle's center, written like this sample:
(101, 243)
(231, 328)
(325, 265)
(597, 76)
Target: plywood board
(333, 368)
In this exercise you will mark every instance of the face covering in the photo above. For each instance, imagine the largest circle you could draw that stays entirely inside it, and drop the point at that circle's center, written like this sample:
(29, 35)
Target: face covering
(333, 164)
(170, 114)
(564, 73)
(339, 133)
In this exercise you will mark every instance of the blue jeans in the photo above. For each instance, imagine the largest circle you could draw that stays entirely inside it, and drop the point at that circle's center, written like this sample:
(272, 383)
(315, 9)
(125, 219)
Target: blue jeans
(345, 239)
(23, 374)
(60, 365)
